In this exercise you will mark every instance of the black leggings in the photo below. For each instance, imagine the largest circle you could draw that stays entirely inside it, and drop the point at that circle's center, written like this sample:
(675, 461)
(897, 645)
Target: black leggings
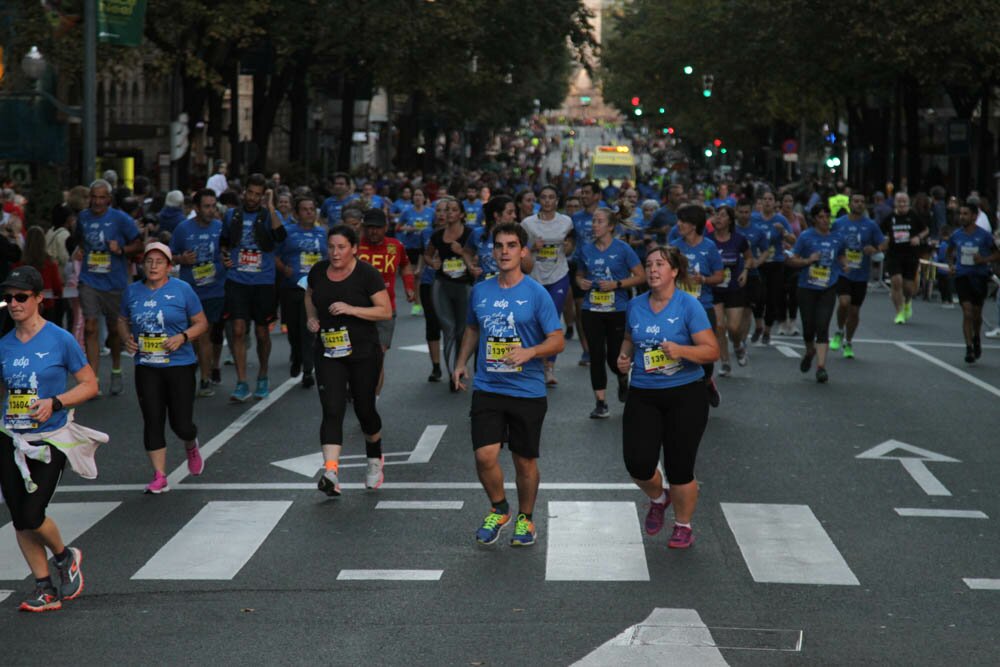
(27, 510)
(300, 339)
(672, 420)
(605, 333)
(816, 308)
(163, 393)
(709, 368)
(361, 369)
(432, 327)
(773, 274)
(791, 292)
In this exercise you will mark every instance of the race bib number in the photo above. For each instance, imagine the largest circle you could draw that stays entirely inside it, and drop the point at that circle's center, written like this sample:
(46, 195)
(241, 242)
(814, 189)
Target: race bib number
(152, 347)
(968, 256)
(336, 343)
(854, 259)
(99, 262)
(249, 261)
(901, 234)
(694, 289)
(602, 302)
(498, 347)
(487, 276)
(307, 260)
(470, 217)
(548, 253)
(18, 415)
(204, 273)
(727, 275)
(420, 225)
(655, 360)
(454, 267)
(819, 275)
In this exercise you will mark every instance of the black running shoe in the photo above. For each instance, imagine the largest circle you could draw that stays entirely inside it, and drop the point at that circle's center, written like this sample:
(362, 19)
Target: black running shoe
(756, 335)
(970, 356)
(977, 347)
(435, 375)
(821, 375)
(806, 363)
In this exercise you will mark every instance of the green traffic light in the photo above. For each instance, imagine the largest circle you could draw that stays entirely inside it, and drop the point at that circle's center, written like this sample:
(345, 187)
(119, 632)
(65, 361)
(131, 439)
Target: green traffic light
(723, 150)
(638, 111)
(663, 110)
(708, 152)
(688, 70)
(706, 92)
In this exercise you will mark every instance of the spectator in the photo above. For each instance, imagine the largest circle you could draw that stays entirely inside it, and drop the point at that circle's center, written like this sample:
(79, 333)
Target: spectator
(35, 256)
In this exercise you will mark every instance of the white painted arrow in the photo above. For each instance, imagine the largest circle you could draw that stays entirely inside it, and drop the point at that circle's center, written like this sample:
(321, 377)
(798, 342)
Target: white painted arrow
(308, 465)
(914, 464)
(666, 637)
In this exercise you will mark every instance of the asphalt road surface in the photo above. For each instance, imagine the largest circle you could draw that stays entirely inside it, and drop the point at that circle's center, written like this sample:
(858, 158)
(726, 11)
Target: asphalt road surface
(847, 523)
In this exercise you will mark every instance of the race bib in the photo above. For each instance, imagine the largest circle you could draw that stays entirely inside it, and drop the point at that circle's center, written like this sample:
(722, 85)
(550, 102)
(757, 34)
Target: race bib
(99, 262)
(336, 343)
(152, 348)
(307, 260)
(602, 302)
(249, 261)
(18, 415)
(420, 225)
(854, 259)
(454, 267)
(727, 275)
(968, 256)
(655, 360)
(819, 275)
(498, 347)
(901, 234)
(549, 253)
(487, 276)
(204, 273)
(694, 289)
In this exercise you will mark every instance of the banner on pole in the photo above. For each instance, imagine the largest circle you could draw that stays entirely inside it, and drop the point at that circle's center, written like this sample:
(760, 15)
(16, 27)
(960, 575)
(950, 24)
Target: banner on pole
(121, 22)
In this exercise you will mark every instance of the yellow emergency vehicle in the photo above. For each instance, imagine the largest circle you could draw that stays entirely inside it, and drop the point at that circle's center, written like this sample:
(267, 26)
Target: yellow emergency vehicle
(614, 164)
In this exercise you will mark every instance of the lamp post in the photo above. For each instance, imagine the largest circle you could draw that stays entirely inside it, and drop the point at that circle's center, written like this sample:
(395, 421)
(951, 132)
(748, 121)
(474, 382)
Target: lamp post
(89, 90)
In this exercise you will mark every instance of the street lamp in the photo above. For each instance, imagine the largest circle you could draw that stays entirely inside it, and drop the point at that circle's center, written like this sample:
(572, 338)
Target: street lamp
(33, 64)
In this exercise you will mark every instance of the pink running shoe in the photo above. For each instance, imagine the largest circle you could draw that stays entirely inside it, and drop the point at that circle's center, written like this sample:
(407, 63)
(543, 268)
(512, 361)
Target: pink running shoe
(681, 538)
(196, 465)
(654, 518)
(158, 485)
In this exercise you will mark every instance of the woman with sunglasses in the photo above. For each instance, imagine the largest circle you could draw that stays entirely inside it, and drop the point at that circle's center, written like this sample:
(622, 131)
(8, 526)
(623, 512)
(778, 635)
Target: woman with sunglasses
(668, 339)
(39, 435)
(160, 316)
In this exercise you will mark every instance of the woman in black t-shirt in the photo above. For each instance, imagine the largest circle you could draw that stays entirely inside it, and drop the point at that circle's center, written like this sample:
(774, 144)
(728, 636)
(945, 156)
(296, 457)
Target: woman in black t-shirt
(344, 299)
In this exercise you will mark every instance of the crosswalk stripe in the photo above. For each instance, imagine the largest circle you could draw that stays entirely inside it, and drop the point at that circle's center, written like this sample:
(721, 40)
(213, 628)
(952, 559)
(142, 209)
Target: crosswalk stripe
(983, 584)
(420, 505)
(665, 637)
(594, 541)
(73, 519)
(390, 575)
(5, 594)
(786, 544)
(217, 542)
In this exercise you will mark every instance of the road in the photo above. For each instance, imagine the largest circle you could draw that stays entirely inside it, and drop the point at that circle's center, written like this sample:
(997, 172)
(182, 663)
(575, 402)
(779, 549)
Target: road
(815, 540)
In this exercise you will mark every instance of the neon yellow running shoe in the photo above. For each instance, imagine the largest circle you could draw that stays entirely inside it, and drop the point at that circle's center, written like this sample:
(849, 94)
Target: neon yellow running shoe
(524, 532)
(900, 318)
(908, 309)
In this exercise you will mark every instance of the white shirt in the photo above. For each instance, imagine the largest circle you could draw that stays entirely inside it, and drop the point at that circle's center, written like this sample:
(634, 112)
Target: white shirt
(984, 222)
(218, 183)
(550, 265)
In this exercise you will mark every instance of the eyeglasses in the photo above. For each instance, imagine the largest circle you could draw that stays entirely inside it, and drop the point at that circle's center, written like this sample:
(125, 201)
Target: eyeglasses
(20, 298)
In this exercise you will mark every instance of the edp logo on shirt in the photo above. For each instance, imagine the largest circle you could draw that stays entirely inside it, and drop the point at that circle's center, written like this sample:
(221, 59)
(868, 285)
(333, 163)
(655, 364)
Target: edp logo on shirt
(502, 303)
(654, 329)
(21, 363)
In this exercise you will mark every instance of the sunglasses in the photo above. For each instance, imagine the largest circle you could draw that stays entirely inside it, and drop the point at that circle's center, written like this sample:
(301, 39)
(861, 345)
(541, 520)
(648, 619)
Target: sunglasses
(20, 298)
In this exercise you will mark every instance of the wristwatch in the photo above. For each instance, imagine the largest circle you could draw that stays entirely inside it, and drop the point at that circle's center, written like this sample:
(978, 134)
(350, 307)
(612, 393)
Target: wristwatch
(619, 284)
(185, 334)
(56, 404)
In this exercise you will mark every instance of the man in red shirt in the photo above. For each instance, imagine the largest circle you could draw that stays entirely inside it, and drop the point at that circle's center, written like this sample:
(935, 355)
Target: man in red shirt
(389, 257)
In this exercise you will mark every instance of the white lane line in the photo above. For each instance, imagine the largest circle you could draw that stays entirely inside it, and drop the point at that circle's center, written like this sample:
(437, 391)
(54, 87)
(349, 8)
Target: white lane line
(308, 486)
(5, 594)
(217, 542)
(971, 379)
(420, 505)
(390, 575)
(983, 584)
(787, 351)
(307, 465)
(930, 484)
(428, 442)
(416, 348)
(942, 514)
(666, 637)
(925, 343)
(594, 541)
(181, 472)
(786, 544)
(73, 519)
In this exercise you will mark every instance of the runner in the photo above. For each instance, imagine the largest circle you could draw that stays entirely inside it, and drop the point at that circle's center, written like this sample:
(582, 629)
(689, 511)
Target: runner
(342, 195)
(971, 250)
(159, 317)
(472, 207)
(864, 239)
(39, 435)
(548, 231)
(479, 248)
(905, 231)
(590, 196)
(250, 236)
(823, 256)
(759, 241)
(388, 257)
(106, 238)
(432, 326)
(451, 283)
(303, 247)
(773, 270)
(704, 270)
(609, 269)
(412, 222)
(798, 224)
(668, 341)
(344, 300)
(525, 204)
(730, 295)
(512, 324)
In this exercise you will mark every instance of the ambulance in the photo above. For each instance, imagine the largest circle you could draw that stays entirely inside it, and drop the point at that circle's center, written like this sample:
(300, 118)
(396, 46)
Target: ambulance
(613, 164)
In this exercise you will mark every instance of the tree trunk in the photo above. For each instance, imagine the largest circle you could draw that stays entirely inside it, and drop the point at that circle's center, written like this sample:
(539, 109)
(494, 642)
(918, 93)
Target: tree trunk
(269, 91)
(235, 160)
(897, 135)
(299, 99)
(984, 152)
(215, 121)
(346, 142)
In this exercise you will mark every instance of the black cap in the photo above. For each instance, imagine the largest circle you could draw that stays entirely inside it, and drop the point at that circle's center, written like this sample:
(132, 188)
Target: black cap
(26, 278)
(374, 217)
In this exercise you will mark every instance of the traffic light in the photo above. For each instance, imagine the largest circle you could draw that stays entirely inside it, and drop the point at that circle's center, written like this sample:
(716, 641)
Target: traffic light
(688, 70)
(635, 101)
(585, 100)
(833, 162)
(638, 110)
(663, 110)
(708, 152)
(666, 130)
(670, 130)
(706, 85)
(723, 151)
(717, 142)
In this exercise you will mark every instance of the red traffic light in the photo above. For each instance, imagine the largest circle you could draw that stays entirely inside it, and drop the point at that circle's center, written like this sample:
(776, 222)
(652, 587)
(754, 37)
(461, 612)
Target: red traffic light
(717, 142)
(635, 101)
(670, 130)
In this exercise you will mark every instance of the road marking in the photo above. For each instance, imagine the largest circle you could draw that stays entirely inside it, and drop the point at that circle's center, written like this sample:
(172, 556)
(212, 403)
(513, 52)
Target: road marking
(390, 575)
(983, 584)
(420, 505)
(786, 544)
(594, 541)
(5, 594)
(73, 519)
(181, 472)
(971, 379)
(416, 348)
(665, 637)
(925, 343)
(308, 486)
(217, 542)
(915, 466)
(943, 514)
(787, 351)
(309, 464)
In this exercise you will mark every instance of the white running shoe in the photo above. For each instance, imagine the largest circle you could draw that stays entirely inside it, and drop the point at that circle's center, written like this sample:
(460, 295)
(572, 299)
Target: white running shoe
(375, 474)
(994, 333)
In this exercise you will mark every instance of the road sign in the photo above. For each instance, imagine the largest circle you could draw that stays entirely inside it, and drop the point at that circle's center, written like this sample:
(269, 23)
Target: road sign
(790, 157)
(789, 146)
(913, 463)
